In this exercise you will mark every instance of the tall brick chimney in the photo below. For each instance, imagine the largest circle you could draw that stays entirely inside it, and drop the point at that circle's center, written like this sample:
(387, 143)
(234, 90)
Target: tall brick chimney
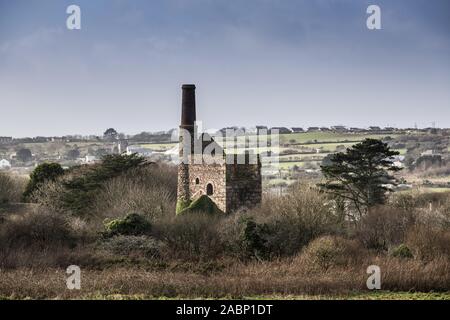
(188, 105)
(186, 143)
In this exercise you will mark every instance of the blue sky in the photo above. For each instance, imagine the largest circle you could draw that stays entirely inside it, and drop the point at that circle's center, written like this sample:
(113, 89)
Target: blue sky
(285, 62)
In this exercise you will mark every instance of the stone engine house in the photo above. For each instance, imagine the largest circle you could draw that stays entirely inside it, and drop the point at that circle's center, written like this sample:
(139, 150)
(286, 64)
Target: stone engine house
(230, 184)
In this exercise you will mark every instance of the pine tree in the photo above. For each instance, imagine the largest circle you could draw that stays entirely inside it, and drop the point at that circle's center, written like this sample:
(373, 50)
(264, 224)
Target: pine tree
(361, 174)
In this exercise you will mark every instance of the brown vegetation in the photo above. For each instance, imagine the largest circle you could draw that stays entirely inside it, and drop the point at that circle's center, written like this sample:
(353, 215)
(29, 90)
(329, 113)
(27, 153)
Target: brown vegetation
(294, 244)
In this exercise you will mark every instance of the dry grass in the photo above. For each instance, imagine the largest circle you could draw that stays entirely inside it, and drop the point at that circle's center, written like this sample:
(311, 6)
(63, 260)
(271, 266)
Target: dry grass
(285, 277)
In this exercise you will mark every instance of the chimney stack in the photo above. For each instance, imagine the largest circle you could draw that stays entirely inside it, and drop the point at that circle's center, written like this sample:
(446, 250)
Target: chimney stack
(188, 106)
(186, 144)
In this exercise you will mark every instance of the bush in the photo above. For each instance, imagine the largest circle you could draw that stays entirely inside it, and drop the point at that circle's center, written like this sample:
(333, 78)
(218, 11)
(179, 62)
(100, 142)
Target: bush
(49, 195)
(42, 173)
(150, 190)
(118, 184)
(132, 246)
(131, 224)
(402, 251)
(384, 227)
(37, 238)
(193, 236)
(11, 188)
(293, 220)
(253, 238)
(428, 243)
(416, 199)
(36, 230)
(82, 185)
(329, 251)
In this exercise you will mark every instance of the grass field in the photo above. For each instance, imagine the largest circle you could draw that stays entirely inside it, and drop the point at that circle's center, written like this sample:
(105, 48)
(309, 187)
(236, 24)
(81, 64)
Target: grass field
(327, 142)
(140, 284)
(376, 295)
(328, 137)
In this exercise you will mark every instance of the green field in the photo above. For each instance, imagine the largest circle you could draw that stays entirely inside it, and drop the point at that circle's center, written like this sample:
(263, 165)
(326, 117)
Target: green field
(329, 137)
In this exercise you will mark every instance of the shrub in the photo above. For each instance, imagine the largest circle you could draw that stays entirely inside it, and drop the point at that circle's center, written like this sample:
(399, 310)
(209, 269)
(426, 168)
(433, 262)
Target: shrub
(132, 246)
(384, 227)
(82, 185)
(11, 188)
(193, 236)
(150, 190)
(131, 224)
(37, 238)
(329, 251)
(253, 238)
(36, 230)
(42, 173)
(49, 195)
(416, 199)
(402, 251)
(428, 243)
(289, 222)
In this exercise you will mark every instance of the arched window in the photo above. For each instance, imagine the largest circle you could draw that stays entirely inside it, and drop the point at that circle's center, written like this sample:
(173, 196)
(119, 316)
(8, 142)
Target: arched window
(197, 181)
(209, 189)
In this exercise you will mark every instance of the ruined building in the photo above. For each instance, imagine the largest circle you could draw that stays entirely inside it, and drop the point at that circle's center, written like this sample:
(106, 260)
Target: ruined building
(232, 183)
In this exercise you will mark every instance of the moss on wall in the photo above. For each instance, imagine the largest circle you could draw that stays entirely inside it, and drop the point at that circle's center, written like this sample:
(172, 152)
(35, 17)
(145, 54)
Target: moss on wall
(182, 205)
(202, 204)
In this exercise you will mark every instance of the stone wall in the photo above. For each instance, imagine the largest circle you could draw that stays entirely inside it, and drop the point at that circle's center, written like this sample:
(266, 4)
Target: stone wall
(244, 186)
(213, 174)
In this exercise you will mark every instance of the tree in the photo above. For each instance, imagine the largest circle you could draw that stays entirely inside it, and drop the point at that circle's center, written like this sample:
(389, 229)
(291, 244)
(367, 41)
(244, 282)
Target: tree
(42, 173)
(361, 174)
(24, 155)
(110, 134)
(82, 188)
(73, 154)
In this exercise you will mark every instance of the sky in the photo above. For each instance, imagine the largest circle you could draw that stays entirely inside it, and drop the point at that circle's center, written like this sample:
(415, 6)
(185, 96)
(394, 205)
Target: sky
(254, 62)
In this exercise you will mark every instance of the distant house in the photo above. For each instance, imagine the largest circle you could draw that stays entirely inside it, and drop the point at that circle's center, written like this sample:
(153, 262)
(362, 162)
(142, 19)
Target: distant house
(430, 152)
(297, 129)
(355, 129)
(5, 164)
(90, 159)
(313, 129)
(281, 130)
(5, 139)
(339, 128)
(261, 129)
(145, 152)
(374, 128)
(325, 129)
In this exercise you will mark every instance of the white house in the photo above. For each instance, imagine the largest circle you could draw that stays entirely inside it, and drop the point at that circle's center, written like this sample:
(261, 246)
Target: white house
(145, 152)
(5, 164)
(90, 159)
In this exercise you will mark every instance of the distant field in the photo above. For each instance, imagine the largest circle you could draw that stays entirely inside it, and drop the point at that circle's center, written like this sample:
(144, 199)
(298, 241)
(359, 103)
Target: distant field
(329, 137)
(288, 165)
(159, 146)
(327, 142)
